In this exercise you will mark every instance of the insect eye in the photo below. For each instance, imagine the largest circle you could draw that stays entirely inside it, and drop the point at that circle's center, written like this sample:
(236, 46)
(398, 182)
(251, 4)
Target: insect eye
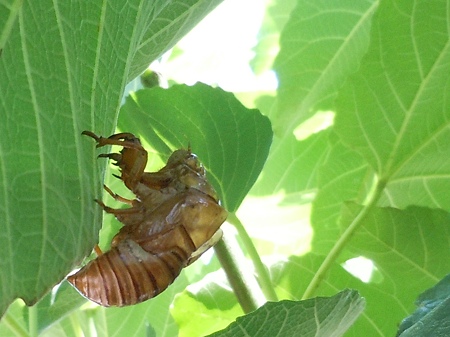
(192, 162)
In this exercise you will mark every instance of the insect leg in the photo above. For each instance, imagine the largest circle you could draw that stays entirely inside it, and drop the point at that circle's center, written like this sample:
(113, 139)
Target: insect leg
(131, 159)
(119, 211)
(118, 197)
(97, 250)
(127, 140)
(128, 216)
(114, 156)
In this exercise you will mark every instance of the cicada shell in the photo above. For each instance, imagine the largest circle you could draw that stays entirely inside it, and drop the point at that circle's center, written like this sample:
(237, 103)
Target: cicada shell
(175, 217)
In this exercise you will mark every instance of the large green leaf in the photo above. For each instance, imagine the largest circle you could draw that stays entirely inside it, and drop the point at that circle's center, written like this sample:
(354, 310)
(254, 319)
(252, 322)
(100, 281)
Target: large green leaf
(406, 246)
(436, 323)
(412, 161)
(431, 315)
(230, 140)
(9, 11)
(63, 70)
(296, 163)
(53, 306)
(320, 317)
(321, 44)
(276, 16)
(391, 126)
(206, 306)
(343, 176)
(395, 110)
(171, 20)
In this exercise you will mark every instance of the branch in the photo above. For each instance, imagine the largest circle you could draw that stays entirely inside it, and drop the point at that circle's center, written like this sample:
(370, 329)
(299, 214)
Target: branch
(343, 240)
(243, 283)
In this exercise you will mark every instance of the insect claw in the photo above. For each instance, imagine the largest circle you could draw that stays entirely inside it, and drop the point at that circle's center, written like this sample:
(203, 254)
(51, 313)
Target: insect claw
(91, 134)
(107, 189)
(117, 197)
(100, 203)
(113, 156)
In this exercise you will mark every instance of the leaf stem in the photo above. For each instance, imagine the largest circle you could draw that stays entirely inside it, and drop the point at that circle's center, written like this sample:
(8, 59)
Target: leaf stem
(243, 283)
(33, 320)
(261, 270)
(343, 240)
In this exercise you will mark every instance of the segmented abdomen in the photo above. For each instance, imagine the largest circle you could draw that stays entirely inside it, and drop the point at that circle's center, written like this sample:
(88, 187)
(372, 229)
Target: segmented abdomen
(127, 274)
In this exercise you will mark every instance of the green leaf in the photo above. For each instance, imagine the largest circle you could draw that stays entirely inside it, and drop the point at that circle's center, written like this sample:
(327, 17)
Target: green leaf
(321, 44)
(342, 176)
(403, 245)
(319, 316)
(431, 316)
(171, 20)
(412, 161)
(296, 163)
(397, 239)
(13, 322)
(293, 276)
(395, 110)
(230, 140)
(205, 307)
(63, 70)
(9, 11)
(55, 305)
(309, 83)
(277, 14)
(436, 323)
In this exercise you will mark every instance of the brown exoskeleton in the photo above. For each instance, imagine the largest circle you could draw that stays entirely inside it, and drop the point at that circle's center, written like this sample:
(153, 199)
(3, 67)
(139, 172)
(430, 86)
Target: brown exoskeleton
(175, 217)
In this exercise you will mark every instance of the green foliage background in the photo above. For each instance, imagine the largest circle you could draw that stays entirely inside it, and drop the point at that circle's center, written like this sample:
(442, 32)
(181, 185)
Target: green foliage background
(375, 182)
